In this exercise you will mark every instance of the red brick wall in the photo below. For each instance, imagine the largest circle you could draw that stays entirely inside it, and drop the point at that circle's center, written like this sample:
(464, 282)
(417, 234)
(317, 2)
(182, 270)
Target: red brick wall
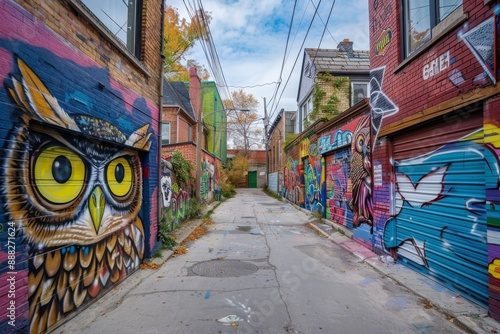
(179, 125)
(188, 152)
(424, 94)
(169, 115)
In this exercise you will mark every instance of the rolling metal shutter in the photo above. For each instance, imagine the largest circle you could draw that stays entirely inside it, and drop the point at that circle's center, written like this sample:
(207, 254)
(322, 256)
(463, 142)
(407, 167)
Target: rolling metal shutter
(439, 223)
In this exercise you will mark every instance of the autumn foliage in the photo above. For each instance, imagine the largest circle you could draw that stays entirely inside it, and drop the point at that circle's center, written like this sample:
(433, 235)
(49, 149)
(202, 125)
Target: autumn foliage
(179, 37)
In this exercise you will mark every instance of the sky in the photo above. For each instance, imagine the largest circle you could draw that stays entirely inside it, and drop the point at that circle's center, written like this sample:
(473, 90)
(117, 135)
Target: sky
(250, 37)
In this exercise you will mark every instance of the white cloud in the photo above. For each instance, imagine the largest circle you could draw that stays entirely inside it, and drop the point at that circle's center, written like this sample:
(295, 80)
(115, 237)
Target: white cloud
(250, 38)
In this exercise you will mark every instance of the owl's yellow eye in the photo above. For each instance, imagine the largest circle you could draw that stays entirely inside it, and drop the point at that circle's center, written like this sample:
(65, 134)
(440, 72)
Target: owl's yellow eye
(361, 140)
(119, 176)
(59, 174)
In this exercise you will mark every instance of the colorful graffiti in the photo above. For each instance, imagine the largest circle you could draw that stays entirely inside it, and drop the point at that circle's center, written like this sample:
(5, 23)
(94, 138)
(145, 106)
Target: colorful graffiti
(75, 201)
(207, 179)
(348, 173)
(335, 177)
(446, 187)
(481, 42)
(315, 185)
(293, 182)
(76, 154)
(361, 174)
(381, 105)
(338, 184)
(174, 201)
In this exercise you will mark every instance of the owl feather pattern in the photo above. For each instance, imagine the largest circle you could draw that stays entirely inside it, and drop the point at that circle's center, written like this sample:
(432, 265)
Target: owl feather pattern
(360, 174)
(76, 201)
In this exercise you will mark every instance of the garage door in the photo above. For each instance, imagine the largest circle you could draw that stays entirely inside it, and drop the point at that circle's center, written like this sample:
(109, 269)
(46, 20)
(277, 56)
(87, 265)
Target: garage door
(439, 224)
(337, 184)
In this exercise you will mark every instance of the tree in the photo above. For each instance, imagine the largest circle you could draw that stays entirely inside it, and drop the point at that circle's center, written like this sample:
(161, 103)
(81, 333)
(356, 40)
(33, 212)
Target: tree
(238, 169)
(243, 121)
(179, 37)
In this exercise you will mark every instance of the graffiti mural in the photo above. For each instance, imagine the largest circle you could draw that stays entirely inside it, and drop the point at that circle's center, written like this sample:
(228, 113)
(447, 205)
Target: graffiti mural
(293, 180)
(166, 185)
(481, 42)
(314, 177)
(348, 176)
(174, 200)
(207, 179)
(439, 223)
(361, 174)
(75, 201)
(338, 188)
(76, 157)
(381, 105)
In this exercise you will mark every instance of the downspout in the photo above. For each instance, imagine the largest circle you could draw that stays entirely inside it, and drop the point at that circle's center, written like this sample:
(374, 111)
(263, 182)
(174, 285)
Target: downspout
(162, 55)
(177, 126)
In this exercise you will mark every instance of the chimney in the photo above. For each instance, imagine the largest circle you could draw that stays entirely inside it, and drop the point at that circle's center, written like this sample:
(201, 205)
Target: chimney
(345, 46)
(195, 91)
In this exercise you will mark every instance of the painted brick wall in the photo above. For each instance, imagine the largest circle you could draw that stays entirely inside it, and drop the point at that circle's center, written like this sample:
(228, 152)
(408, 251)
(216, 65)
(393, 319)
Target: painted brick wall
(71, 98)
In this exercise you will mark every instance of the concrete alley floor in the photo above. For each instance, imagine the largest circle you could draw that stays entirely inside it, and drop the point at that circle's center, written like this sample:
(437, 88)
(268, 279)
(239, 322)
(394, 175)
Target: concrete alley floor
(261, 269)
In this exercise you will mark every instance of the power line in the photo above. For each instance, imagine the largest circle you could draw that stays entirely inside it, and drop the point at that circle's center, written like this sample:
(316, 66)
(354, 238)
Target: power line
(253, 86)
(323, 34)
(326, 24)
(284, 54)
(196, 12)
(295, 62)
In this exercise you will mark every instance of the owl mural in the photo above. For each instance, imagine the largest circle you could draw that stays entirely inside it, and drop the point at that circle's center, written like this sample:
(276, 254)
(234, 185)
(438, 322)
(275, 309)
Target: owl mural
(360, 174)
(76, 200)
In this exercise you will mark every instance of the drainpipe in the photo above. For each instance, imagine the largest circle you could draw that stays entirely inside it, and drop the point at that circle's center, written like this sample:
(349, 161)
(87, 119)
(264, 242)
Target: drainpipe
(160, 116)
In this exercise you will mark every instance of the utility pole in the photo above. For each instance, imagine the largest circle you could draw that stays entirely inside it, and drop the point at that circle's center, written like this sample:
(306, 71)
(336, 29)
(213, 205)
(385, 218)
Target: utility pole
(194, 79)
(266, 124)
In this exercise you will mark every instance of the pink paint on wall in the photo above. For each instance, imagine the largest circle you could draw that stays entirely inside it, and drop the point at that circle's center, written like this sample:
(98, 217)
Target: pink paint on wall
(22, 25)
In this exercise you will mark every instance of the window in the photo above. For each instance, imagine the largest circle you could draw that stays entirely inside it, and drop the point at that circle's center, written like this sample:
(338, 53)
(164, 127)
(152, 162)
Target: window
(190, 133)
(419, 17)
(121, 18)
(306, 109)
(165, 133)
(359, 92)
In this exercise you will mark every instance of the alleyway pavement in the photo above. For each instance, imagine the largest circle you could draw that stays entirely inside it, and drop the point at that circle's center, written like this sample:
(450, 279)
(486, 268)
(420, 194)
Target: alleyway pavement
(266, 266)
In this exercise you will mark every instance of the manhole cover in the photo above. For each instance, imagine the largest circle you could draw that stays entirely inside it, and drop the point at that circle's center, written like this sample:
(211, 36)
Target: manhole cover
(223, 268)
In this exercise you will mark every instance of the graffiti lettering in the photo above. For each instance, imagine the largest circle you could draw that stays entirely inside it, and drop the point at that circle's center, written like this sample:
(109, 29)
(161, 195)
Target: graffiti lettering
(437, 65)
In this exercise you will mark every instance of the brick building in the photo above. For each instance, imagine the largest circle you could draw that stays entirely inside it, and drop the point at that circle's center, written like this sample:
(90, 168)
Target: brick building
(180, 129)
(80, 160)
(281, 128)
(435, 123)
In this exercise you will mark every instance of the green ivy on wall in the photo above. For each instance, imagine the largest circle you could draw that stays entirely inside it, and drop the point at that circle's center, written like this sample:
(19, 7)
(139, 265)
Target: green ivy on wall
(325, 106)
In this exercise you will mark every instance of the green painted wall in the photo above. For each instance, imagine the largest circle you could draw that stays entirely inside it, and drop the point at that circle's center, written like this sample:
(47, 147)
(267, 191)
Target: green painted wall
(215, 120)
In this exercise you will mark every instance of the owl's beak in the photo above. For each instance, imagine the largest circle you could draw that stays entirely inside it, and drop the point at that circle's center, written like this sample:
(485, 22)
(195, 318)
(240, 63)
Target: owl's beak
(97, 203)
